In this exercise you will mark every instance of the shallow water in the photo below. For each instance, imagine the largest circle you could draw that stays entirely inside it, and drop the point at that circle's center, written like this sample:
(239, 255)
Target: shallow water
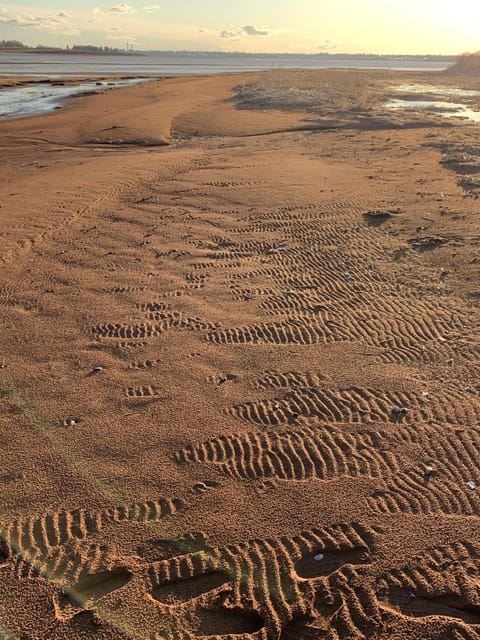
(445, 108)
(17, 102)
(443, 91)
(60, 65)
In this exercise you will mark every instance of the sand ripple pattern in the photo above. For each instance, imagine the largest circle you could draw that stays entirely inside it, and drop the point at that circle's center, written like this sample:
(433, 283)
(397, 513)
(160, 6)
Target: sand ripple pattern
(271, 581)
(295, 455)
(325, 283)
(356, 405)
(442, 585)
(38, 543)
(321, 280)
(321, 452)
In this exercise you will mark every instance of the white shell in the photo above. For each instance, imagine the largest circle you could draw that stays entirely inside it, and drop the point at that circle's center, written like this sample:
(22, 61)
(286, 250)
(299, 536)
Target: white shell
(319, 557)
(471, 485)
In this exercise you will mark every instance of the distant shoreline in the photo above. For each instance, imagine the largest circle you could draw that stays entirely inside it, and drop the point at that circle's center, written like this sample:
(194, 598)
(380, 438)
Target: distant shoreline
(225, 54)
(87, 52)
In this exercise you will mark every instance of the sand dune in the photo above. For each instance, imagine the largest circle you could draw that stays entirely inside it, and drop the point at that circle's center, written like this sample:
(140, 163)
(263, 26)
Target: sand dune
(239, 365)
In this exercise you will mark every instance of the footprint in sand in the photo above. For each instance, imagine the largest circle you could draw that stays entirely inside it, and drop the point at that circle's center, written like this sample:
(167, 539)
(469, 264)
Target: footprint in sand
(324, 563)
(304, 628)
(205, 485)
(442, 583)
(4, 554)
(181, 591)
(446, 605)
(223, 621)
(91, 588)
(85, 593)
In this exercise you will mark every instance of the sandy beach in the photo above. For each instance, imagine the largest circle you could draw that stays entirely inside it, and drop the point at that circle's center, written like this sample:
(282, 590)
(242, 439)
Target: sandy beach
(239, 363)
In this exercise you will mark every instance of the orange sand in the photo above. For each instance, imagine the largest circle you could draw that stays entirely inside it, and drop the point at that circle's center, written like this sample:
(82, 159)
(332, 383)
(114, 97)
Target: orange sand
(240, 359)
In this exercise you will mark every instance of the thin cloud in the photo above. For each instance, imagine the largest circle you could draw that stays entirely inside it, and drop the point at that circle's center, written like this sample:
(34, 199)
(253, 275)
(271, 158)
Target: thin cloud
(21, 21)
(150, 8)
(48, 22)
(96, 14)
(328, 45)
(248, 30)
(230, 35)
(121, 8)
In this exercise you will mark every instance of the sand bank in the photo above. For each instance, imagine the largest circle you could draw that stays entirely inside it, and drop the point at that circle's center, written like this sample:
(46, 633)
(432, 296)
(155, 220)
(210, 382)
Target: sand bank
(239, 364)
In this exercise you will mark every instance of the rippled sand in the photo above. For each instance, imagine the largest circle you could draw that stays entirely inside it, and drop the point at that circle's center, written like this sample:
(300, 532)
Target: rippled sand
(239, 364)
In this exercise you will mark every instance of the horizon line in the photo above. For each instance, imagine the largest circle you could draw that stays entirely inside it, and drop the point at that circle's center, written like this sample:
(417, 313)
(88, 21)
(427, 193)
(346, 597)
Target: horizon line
(247, 53)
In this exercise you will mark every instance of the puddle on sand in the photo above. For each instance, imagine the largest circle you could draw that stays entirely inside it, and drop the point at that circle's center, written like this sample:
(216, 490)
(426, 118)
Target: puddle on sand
(432, 99)
(17, 102)
(442, 91)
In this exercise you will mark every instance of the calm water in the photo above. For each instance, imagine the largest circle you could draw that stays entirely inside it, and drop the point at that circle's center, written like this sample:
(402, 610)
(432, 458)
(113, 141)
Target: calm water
(63, 65)
(39, 98)
(444, 101)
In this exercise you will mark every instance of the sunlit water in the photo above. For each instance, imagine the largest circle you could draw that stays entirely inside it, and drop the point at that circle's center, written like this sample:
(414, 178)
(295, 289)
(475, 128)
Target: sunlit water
(426, 98)
(442, 91)
(43, 97)
(60, 65)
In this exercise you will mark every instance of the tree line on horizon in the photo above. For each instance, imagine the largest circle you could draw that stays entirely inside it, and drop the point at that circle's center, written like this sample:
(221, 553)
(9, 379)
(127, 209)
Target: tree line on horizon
(16, 44)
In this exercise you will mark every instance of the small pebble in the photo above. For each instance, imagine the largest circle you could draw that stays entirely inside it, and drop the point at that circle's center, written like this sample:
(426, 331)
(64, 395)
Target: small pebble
(398, 410)
(319, 557)
(428, 471)
(94, 371)
(471, 485)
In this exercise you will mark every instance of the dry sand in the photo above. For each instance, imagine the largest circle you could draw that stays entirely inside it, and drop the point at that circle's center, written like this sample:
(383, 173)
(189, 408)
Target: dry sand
(239, 365)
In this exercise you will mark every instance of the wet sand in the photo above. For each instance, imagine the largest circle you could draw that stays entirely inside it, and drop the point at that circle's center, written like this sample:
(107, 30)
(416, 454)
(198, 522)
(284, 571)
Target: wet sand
(239, 364)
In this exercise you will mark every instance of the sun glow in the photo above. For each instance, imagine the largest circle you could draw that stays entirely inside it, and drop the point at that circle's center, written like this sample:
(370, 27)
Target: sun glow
(373, 26)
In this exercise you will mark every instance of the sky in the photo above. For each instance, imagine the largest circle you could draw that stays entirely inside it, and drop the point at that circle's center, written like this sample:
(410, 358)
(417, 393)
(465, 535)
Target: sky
(267, 26)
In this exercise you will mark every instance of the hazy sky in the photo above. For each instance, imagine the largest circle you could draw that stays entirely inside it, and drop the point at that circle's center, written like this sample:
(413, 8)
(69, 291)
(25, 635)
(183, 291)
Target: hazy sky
(305, 26)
